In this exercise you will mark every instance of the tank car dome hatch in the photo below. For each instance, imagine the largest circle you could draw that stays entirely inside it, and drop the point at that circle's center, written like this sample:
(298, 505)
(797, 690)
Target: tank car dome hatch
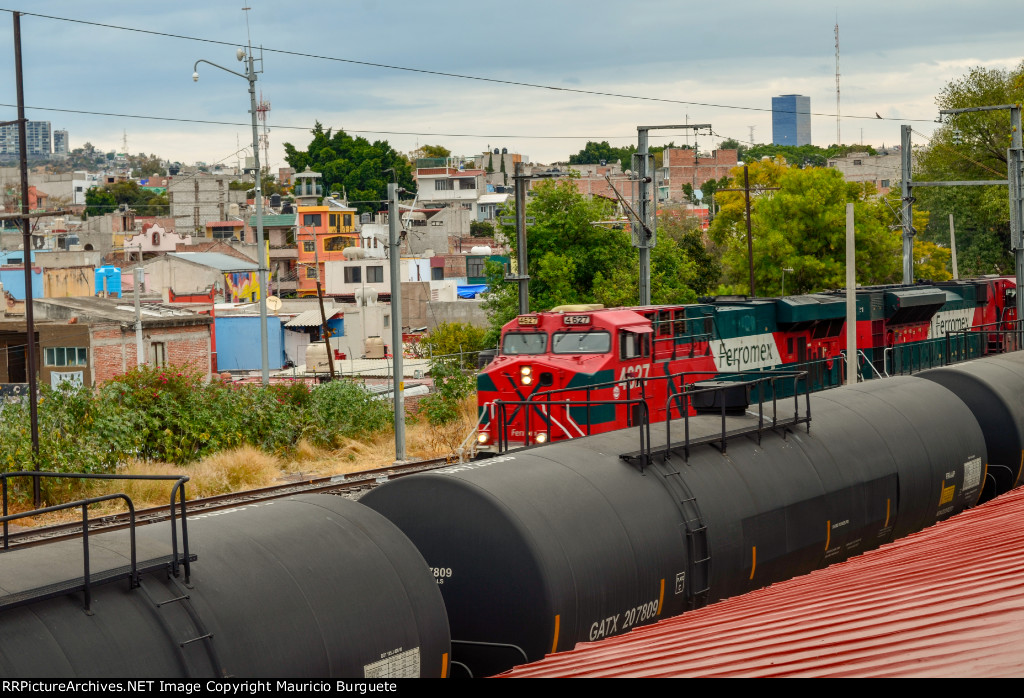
(311, 586)
(547, 547)
(994, 390)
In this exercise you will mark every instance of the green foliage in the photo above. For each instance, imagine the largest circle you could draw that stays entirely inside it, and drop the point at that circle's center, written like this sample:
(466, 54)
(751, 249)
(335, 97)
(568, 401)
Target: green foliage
(593, 153)
(571, 260)
(432, 151)
(454, 338)
(803, 227)
(980, 213)
(803, 155)
(100, 201)
(481, 229)
(172, 415)
(452, 385)
(353, 163)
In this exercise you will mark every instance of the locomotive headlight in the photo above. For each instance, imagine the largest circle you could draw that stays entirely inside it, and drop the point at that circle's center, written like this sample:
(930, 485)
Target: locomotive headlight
(526, 375)
(541, 438)
(483, 437)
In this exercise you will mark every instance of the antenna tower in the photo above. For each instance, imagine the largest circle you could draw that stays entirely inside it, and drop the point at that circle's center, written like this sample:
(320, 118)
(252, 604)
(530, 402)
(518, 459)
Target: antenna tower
(262, 107)
(839, 140)
(751, 134)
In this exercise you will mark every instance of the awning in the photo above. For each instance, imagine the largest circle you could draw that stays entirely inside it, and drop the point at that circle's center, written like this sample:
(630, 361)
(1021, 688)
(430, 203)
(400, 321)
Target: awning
(312, 318)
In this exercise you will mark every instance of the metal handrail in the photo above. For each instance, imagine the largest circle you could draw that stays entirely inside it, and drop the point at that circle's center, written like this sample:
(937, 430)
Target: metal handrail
(501, 405)
(177, 489)
(84, 503)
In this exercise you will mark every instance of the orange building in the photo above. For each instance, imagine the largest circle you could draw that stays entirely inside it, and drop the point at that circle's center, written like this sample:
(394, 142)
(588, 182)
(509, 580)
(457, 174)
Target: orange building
(322, 236)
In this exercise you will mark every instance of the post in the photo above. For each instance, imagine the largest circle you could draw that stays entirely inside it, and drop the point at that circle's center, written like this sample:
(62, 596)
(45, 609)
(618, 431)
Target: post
(1014, 162)
(642, 209)
(140, 354)
(750, 237)
(398, 382)
(26, 237)
(908, 208)
(952, 246)
(323, 314)
(262, 251)
(851, 301)
(523, 277)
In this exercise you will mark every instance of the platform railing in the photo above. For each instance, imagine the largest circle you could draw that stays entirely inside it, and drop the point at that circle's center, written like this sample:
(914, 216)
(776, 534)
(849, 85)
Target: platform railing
(179, 561)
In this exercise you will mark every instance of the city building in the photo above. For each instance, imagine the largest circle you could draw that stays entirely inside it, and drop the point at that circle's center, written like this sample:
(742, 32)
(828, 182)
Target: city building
(60, 144)
(791, 120)
(37, 135)
(323, 232)
(884, 170)
(199, 199)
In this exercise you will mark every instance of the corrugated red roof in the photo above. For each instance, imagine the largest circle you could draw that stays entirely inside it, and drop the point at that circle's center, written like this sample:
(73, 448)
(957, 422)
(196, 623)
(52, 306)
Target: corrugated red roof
(948, 601)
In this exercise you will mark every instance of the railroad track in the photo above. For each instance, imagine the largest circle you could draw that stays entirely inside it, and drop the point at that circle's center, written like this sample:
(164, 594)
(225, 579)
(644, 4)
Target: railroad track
(350, 485)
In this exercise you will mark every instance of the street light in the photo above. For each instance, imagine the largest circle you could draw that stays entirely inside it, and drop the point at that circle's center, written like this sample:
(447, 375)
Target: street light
(250, 76)
(784, 270)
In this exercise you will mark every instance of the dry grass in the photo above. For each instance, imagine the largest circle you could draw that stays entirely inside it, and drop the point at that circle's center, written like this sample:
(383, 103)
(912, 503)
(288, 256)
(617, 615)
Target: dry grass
(249, 468)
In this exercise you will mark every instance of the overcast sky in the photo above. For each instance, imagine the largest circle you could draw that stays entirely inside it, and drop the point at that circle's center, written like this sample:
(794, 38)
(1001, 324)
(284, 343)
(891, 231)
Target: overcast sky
(895, 57)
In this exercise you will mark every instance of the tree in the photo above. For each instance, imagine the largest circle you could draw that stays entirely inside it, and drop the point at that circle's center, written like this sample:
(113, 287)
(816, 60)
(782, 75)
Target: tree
(431, 151)
(971, 146)
(455, 339)
(803, 227)
(572, 260)
(362, 168)
(99, 201)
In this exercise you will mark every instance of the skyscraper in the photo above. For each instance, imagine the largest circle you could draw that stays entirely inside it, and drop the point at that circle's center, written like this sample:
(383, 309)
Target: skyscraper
(791, 120)
(37, 136)
(60, 143)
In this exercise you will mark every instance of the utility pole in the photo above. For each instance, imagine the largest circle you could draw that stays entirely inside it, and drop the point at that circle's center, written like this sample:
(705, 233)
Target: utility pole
(398, 380)
(645, 228)
(140, 353)
(521, 274)
(323, 314)
(1014, 176)
(907, 216)
(250, 76)
(750, 237)
(26, 237)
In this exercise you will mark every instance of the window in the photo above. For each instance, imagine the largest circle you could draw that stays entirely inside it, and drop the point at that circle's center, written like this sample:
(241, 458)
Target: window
(581, 343)
(66, 356)
(353, 275)
(157, 354)
(524, 343)
(437, 273)
(334, 219)
(475, 266)
(308, 246)
(311, 272)
(885, 182)
(311, 219)
(347, 218)
(634, 344)
(337, 243)
(223, 232)
(857, 162)
(443, 185)
(375, 275)
(467, 184)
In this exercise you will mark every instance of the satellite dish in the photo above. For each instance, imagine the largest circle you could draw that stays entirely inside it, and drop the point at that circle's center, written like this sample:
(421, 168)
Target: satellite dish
(698, 194)
(273, 303)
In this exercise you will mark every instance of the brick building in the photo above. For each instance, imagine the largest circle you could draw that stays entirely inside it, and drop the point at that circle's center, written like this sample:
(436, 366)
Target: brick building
(680, 166)
(91, 340)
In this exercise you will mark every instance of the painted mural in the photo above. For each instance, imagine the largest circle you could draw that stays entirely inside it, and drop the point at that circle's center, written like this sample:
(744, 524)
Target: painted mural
(242, 286)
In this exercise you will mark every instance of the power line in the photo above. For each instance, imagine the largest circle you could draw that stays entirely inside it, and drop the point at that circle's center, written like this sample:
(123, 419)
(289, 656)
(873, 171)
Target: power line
(460, 76)
(307, 128)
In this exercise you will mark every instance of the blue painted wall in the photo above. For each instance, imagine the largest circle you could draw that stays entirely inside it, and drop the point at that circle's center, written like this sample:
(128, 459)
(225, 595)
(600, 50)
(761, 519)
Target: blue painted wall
(13, 280)
(238, 343)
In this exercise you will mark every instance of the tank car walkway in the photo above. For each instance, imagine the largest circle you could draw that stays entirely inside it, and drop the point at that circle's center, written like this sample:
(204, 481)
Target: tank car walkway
(948, 601)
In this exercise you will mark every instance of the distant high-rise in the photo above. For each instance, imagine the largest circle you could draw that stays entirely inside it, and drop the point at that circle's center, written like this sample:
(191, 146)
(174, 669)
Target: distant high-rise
(791, 120)
(60, 143)
(37, 137)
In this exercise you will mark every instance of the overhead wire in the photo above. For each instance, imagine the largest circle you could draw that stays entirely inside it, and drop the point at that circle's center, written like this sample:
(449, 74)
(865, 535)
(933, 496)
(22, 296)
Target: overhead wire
(460, 76)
